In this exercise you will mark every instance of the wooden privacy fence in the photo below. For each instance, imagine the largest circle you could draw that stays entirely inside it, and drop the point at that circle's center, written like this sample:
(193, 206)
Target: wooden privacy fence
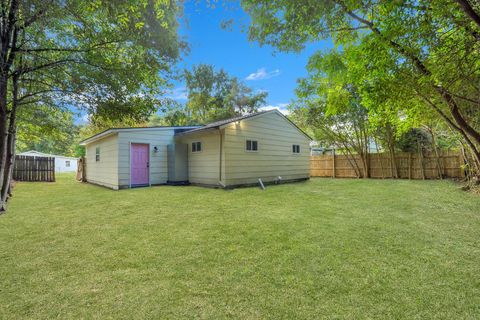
(408, 165)
(28, 168)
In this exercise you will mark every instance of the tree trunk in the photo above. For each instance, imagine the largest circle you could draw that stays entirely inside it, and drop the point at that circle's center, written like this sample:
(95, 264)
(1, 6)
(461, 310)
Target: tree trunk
(420, 156)
(437, 157)
(3, 138)
(469, 11)
(366, 168)
(453, 126)
(7, 181)
(5, 191)
(8, 47)
(457, 116)
(352, 161)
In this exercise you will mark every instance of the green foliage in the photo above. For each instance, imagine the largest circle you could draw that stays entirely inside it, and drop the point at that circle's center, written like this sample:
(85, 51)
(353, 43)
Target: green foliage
(414, 140)
(214, 95)
(177, 116)
(48, 130)
(97, 124)
(411, 62)
(108, 58)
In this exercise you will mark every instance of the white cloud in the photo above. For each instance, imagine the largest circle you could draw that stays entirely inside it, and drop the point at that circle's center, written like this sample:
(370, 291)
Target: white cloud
(262, 74)
(179, 94)
(282, 107)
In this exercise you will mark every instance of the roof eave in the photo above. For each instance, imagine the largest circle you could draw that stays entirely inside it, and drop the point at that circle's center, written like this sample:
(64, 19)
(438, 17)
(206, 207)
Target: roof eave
(104, 134)
(200, 130)
(112, 131)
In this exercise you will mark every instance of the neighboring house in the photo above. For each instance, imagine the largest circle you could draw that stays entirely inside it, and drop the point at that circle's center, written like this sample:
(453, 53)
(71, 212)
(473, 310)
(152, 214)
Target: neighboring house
(226, 153)
(62, 163)
(318, 151)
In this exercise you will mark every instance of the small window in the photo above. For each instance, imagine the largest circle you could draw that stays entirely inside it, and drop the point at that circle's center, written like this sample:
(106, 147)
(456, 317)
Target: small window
(252, 145)
(296, 148)
(97, 154)
(67, 163)
(196, 146)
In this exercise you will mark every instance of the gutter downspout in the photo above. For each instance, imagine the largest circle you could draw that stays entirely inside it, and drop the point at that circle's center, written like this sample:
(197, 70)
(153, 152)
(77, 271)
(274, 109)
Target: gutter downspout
(220, 159)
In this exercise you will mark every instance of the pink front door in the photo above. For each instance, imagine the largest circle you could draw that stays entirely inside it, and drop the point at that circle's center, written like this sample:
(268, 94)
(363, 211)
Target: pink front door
(139, 163)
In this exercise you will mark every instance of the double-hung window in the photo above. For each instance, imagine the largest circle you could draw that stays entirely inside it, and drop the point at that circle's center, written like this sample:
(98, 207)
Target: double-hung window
(97, 154)
(251, 145)
(296, 148)
(196, 146)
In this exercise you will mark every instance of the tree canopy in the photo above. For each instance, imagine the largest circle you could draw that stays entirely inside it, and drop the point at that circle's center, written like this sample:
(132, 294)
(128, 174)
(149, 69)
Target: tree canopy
(215, 95)
(109, 58)
(405, 58)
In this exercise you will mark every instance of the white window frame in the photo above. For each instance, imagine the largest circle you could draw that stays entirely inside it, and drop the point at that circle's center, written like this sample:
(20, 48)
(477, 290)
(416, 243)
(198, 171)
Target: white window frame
(67, 163)
(97, 154)
(199, 144)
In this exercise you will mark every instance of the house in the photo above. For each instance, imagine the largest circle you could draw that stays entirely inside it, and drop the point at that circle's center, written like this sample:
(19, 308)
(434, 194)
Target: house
(318, 151)
(62, 163)
(228, 153)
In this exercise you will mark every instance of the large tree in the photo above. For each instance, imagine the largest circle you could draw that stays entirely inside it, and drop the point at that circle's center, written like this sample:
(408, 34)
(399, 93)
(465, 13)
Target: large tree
(108, 57)
(48, 130)
(433, 46)
(215, 95)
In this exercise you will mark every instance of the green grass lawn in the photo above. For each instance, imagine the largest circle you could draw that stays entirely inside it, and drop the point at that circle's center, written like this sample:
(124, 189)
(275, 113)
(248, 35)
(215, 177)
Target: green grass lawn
(320, 249)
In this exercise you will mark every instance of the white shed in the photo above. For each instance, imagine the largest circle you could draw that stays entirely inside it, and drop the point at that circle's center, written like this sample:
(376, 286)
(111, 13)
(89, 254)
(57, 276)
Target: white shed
(62, 163)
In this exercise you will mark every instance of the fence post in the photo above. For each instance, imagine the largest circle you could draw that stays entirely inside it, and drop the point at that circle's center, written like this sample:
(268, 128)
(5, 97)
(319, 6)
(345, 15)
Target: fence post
(460, 165)
(409, 166)
(333, 164)
(53, 166)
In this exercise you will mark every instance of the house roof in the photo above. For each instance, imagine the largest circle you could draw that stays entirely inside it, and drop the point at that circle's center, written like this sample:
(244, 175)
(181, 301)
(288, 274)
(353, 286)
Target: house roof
(191, 129)
(221, 123)
(112, 131)
(41, 154)
(217, 124)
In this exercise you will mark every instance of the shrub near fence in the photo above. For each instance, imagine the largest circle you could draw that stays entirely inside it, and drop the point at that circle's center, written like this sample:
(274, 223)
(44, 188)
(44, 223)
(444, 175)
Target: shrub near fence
(409, 165)
(28, 168)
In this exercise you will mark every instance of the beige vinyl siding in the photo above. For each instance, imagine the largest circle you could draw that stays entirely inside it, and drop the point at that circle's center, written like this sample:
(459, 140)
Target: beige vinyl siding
(105, 171)
(160, 138)
(275, 136)
(203, 166)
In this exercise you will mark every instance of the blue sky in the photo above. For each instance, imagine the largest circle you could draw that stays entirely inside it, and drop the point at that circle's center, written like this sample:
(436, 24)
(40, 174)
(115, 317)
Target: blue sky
(262, 68)
(259, 67)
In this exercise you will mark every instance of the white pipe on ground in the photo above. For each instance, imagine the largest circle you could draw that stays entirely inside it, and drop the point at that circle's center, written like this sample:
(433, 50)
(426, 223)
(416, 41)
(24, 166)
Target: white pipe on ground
(260, 182)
